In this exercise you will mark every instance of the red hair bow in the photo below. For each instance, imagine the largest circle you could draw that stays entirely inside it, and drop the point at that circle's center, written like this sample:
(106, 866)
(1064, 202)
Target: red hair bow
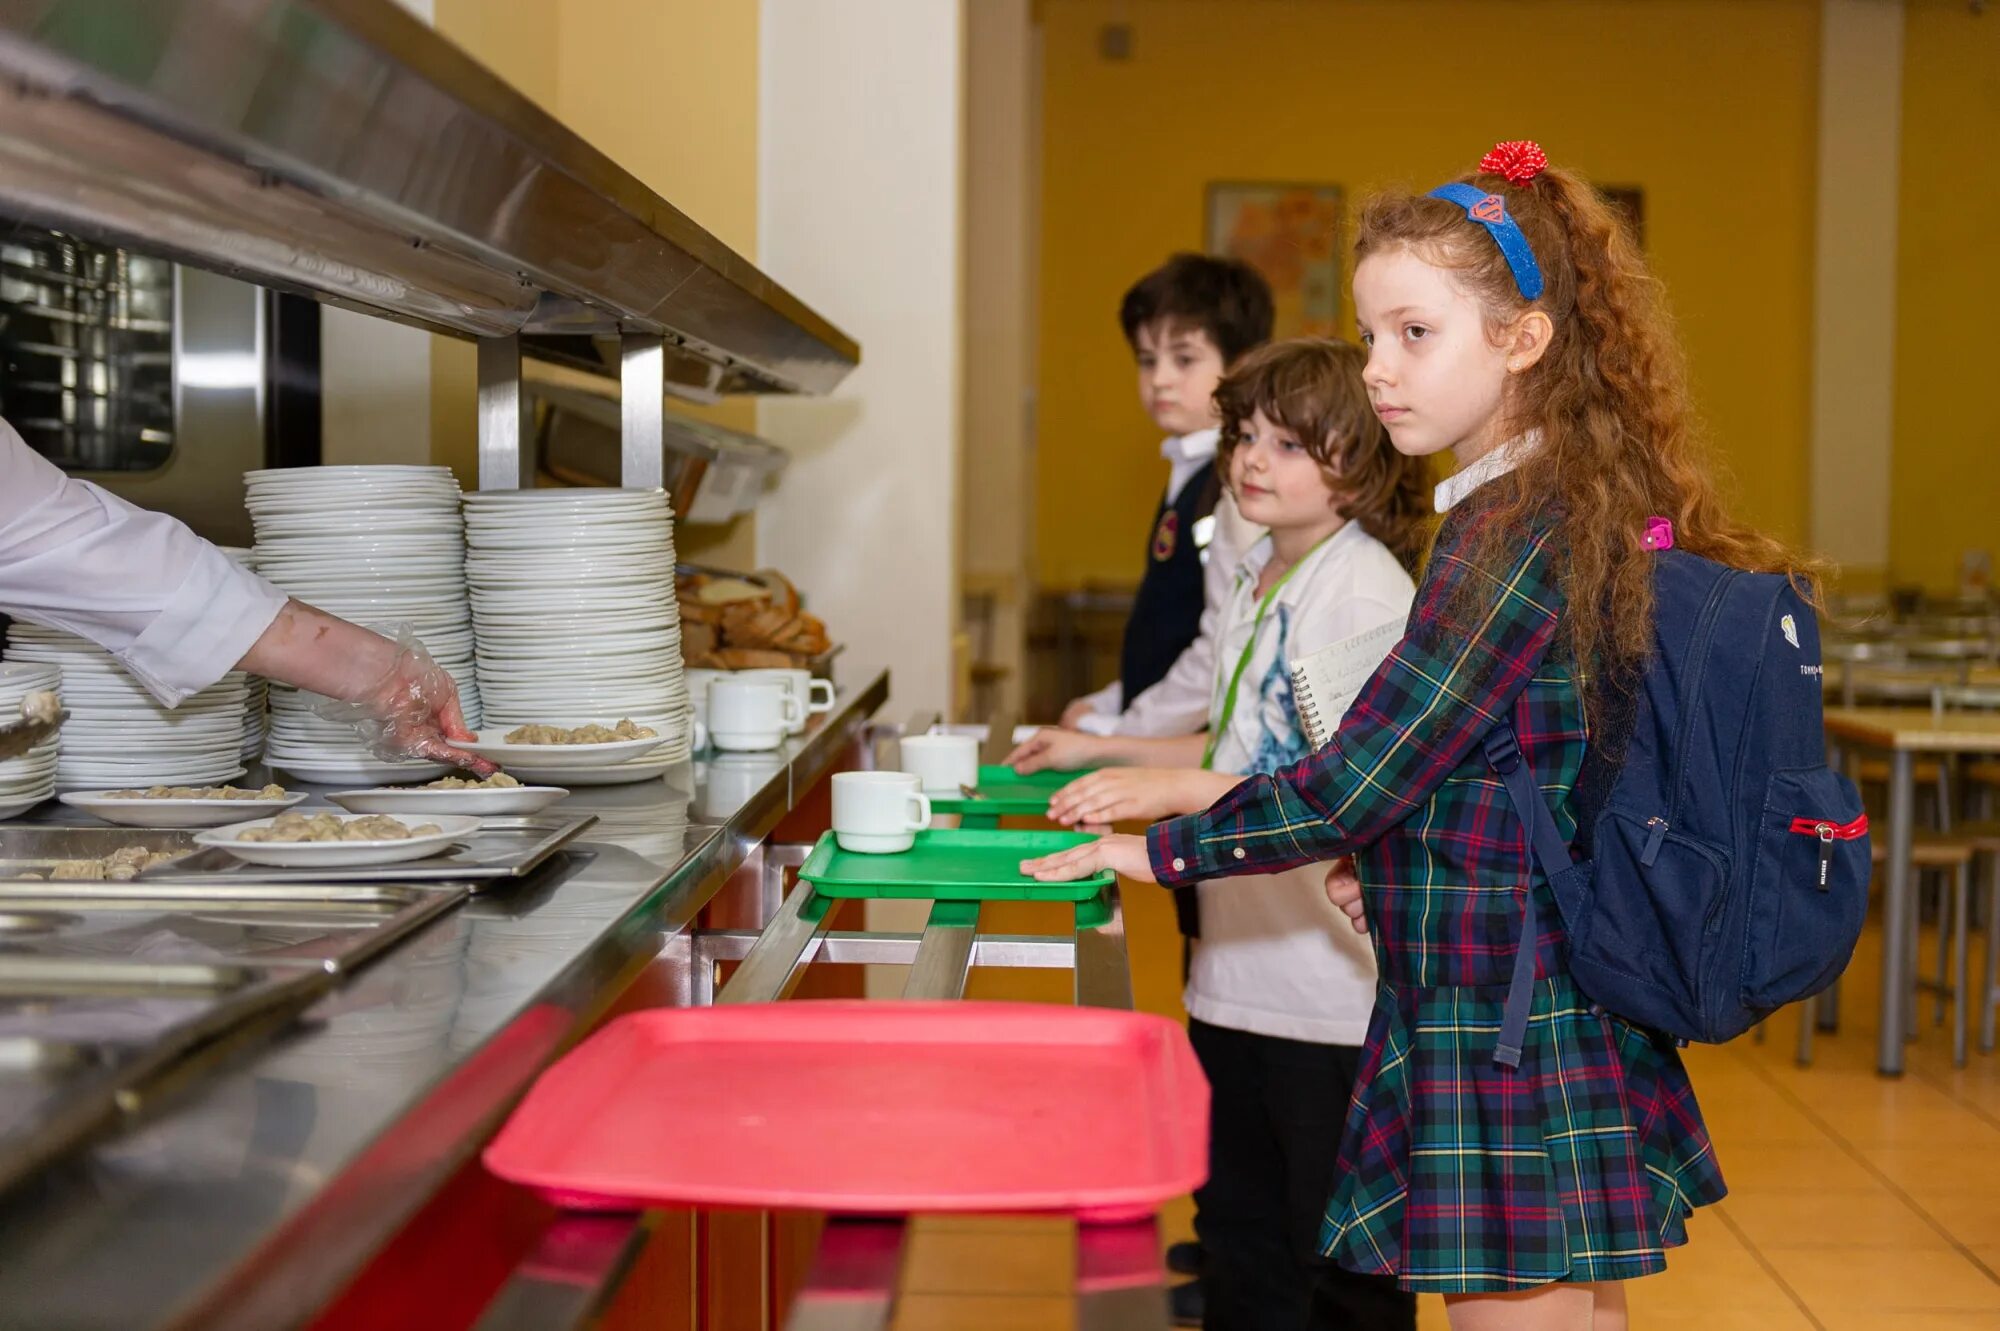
(1519, 160)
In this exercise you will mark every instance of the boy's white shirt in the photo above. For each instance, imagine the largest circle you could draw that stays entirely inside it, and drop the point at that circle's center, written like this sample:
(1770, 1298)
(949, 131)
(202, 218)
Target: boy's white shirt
(1275, 957)
(1178, 703)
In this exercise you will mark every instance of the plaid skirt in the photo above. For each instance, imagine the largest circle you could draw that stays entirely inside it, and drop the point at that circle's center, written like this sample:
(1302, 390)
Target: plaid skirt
(1459, 1176)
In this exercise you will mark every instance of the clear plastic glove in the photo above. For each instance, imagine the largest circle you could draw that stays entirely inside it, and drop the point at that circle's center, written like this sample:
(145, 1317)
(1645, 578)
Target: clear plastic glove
(411, 710)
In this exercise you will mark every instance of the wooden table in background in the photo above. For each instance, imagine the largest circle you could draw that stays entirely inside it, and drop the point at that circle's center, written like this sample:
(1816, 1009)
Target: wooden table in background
(1903, 733)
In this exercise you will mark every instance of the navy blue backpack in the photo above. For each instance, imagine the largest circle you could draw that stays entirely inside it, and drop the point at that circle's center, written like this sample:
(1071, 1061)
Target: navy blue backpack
(1729, 868)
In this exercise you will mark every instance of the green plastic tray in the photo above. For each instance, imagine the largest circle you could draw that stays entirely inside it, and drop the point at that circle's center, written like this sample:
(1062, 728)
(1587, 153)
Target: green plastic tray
(950, 864)
(1003, 794)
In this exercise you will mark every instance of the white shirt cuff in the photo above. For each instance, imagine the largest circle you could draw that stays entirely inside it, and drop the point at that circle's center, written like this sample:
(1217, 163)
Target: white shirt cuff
(212, 620)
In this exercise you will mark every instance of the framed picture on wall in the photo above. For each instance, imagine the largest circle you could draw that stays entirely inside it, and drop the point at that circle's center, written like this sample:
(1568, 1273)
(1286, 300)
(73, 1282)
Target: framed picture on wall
(1290, 233)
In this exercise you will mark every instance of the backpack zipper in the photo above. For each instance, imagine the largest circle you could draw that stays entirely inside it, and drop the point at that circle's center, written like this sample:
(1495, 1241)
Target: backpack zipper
(1828, 833)
(1704, 630)
(1656, 832)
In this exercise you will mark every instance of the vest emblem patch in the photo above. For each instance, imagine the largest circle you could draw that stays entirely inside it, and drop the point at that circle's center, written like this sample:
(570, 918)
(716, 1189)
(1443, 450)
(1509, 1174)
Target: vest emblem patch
(1166, 536)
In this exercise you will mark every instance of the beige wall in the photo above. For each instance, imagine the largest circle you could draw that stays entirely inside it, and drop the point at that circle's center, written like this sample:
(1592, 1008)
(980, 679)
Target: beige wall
(668, 90)
(375, 380)
(859, 191)
(996, 508)
(1946, 493)
(1854, 288)
(1707, 104)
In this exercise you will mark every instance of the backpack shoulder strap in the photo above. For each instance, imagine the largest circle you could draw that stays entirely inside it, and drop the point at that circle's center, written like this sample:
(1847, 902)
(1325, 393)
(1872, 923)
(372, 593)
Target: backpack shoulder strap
(1547, 850)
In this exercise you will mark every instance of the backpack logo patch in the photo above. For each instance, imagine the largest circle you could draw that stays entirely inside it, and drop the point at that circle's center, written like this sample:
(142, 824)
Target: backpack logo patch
(1789, 629)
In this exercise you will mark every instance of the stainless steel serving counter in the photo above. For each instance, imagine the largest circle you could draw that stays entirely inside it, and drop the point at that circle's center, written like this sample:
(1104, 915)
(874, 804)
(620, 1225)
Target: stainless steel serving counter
(253, 1196)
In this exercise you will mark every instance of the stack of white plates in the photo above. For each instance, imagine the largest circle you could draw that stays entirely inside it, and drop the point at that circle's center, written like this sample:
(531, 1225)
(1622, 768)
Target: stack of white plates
(257, 705)
(31, 778)
(117, 736)
(382, 546)
(574, 609)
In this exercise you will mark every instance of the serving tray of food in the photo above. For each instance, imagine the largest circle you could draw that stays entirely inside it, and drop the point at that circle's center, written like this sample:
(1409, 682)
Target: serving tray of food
(498, 850)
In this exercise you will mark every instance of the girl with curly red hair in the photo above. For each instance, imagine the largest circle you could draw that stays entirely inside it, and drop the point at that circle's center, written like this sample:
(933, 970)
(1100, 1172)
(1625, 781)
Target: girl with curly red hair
(1510, 320)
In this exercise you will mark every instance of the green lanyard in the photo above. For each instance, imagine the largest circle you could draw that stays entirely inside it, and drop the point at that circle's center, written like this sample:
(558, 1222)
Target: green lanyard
(1221, 726)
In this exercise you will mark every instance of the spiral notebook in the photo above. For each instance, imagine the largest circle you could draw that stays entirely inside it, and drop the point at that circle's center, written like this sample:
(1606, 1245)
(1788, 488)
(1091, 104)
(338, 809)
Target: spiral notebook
(1326, 682)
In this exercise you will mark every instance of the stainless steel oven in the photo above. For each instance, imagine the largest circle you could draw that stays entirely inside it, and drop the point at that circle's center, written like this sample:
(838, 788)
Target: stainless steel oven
(161, 383)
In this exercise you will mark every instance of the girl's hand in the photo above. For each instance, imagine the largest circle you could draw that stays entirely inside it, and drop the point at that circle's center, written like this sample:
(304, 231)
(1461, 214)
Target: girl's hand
(1117, 794)
(1343, 889)
(1058, 750)
(1123, 855)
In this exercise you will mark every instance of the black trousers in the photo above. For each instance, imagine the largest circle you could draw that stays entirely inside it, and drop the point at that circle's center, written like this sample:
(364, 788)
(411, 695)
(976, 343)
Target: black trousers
(1276, 1111)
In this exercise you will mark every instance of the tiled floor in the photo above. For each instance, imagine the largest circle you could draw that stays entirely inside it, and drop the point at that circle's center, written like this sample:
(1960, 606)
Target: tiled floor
(1856, 1202)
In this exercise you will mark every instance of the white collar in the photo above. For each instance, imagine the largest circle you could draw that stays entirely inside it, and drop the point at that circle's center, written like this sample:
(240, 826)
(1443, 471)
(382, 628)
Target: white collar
(1197, 447)
(1251, 567)
(1491, 467)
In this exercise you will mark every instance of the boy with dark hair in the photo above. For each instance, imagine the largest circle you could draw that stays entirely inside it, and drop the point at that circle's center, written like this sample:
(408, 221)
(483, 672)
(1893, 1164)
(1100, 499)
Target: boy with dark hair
(1187, 321)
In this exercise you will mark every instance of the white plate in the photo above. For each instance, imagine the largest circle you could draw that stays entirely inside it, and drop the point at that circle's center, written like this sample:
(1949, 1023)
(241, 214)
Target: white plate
(408, 802)
(593, 496)
(606, 774)
(642, 651)
(26, 771)
(173, 813)
(553, 619)
(16, 807)
(553, 757)
(337, 854)
(75, 772)
(581, 693)
(341, 769)
(101, 779)
(579, 677)
(23, 677)
(402, 582)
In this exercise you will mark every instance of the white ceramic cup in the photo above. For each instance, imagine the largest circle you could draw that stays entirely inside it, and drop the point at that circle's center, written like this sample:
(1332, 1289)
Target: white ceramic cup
(750, 715)
(878, 813)
(814, 695)
(941, 763)
(698, 680)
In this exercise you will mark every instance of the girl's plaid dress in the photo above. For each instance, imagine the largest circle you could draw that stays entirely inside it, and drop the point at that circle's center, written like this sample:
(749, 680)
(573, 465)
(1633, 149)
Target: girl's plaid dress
(1458, 1175)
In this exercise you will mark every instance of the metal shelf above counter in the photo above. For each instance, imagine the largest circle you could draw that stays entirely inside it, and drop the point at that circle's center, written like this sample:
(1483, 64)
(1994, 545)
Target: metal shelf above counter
(343, 150)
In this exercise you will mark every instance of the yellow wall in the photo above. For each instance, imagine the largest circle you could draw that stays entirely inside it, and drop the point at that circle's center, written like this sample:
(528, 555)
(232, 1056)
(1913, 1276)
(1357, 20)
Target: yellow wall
(1946, 492)
(668, 90)
(1708, 104)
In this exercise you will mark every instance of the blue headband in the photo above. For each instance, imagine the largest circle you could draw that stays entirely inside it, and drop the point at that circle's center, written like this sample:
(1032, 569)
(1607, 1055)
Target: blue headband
(1490, 211)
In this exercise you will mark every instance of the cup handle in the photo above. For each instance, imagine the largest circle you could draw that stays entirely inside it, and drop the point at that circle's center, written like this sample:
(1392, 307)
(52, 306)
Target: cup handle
(922, 804)
(795, 712)
(700, 735)
(821, 693)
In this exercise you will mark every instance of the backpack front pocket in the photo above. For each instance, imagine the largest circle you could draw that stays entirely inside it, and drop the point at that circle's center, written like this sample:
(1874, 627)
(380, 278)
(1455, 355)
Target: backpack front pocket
(1808, 889)
(1639, 945)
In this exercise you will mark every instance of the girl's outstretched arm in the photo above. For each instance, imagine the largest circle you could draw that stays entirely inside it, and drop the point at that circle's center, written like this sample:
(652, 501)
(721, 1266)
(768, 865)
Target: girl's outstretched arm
(1476, 636)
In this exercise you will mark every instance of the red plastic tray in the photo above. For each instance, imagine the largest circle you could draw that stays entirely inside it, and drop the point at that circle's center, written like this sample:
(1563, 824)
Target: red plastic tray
(870, 1108)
